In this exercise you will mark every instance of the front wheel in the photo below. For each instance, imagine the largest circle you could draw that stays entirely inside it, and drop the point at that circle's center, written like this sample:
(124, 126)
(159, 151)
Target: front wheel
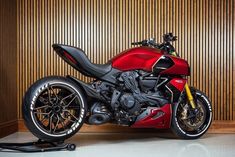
(188, 123)
(54, 108)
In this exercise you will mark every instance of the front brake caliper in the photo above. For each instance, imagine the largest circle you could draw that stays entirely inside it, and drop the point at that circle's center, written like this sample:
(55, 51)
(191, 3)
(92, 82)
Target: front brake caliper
(184, 113)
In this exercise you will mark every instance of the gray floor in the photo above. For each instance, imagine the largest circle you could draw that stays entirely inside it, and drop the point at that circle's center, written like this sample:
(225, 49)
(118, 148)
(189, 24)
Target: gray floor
(136, 145)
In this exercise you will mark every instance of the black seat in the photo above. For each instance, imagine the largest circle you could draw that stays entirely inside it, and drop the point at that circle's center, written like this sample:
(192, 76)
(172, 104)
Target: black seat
(83, 64)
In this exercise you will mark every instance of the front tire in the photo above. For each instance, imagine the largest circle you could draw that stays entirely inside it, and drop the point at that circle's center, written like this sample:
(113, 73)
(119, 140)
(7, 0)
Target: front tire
(54, 108)
(188, 123)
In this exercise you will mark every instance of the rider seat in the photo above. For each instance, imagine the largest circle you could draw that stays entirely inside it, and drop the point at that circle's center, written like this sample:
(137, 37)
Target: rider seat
(78, 59)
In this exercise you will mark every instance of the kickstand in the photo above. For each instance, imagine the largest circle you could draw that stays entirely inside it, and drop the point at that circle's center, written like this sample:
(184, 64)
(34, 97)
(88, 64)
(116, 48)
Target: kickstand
(39, 146)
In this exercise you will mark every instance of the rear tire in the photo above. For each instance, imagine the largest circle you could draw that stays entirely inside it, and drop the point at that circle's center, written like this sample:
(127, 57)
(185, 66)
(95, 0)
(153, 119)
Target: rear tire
(181, 128)
(54, 108)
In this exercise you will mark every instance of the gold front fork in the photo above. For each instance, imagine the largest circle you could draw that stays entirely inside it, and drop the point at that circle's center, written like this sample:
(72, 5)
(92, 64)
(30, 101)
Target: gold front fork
(188, 92)
(189, 95)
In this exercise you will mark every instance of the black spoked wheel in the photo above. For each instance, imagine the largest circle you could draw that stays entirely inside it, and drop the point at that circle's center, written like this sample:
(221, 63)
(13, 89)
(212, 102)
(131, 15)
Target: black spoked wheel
(54, 109)
(191, 123)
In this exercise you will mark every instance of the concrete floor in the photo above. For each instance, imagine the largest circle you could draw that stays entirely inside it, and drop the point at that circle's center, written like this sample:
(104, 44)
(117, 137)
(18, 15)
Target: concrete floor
(136, 145)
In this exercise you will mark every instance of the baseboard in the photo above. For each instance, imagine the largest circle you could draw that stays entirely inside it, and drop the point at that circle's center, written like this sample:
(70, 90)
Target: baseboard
(222, 127)
(7, 128)
(216, 127)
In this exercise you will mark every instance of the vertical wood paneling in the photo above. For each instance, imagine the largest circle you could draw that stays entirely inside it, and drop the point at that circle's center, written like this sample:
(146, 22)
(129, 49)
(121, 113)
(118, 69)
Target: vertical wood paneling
(103, 28)
(8, 67)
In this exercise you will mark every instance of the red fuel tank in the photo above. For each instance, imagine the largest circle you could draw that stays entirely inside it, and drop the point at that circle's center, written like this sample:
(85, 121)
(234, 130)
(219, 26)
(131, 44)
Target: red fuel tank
(150, 60)
(142, 58)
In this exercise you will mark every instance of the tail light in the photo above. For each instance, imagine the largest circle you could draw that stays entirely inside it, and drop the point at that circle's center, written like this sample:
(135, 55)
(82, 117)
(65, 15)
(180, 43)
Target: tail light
(69, 57)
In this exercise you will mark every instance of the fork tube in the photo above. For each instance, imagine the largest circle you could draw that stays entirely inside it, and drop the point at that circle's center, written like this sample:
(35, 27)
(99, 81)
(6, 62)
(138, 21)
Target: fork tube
(189, 95)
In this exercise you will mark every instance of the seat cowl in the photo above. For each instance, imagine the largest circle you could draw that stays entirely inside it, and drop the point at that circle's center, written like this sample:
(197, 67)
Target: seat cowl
(82, 63)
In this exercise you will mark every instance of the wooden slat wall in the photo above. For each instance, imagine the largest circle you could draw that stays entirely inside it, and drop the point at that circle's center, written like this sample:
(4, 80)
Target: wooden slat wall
(103, 28)
(8, 67)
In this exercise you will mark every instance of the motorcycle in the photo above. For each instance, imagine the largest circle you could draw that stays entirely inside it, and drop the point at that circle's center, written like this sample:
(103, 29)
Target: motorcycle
(142, 87)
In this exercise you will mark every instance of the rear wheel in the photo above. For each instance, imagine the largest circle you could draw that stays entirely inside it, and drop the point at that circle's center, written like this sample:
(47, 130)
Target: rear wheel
(54, 108)
(189, 123)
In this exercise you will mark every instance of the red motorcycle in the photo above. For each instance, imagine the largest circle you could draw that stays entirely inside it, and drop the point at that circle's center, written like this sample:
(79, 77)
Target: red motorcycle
(142, 87)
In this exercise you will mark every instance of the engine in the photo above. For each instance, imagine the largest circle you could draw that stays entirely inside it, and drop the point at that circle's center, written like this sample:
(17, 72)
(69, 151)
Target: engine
(136, 94)
(137, 90)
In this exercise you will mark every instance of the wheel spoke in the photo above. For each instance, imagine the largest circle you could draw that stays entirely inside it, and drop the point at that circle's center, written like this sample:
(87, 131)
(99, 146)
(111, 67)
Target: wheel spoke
(41, 107)
(49, 94)
(68, 96)
(71, 101)
(71, 120)
(57, 98)
(57, 123)
(62, 123)
(44, 118)
(43, 113)
(71, 114)
(49, 89)
(50, 122)
(68, 119)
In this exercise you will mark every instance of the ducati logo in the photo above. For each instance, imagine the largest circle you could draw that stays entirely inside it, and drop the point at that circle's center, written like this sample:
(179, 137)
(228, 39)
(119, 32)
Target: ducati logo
(179, 81)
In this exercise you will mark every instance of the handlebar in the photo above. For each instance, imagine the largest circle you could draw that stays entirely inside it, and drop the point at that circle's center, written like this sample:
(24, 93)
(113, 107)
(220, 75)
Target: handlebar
(166, 45)
(149, 42)
(137, 43)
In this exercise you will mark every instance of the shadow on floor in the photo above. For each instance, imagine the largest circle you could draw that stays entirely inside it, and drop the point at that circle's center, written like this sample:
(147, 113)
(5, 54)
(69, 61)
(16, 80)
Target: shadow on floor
(85, 139)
